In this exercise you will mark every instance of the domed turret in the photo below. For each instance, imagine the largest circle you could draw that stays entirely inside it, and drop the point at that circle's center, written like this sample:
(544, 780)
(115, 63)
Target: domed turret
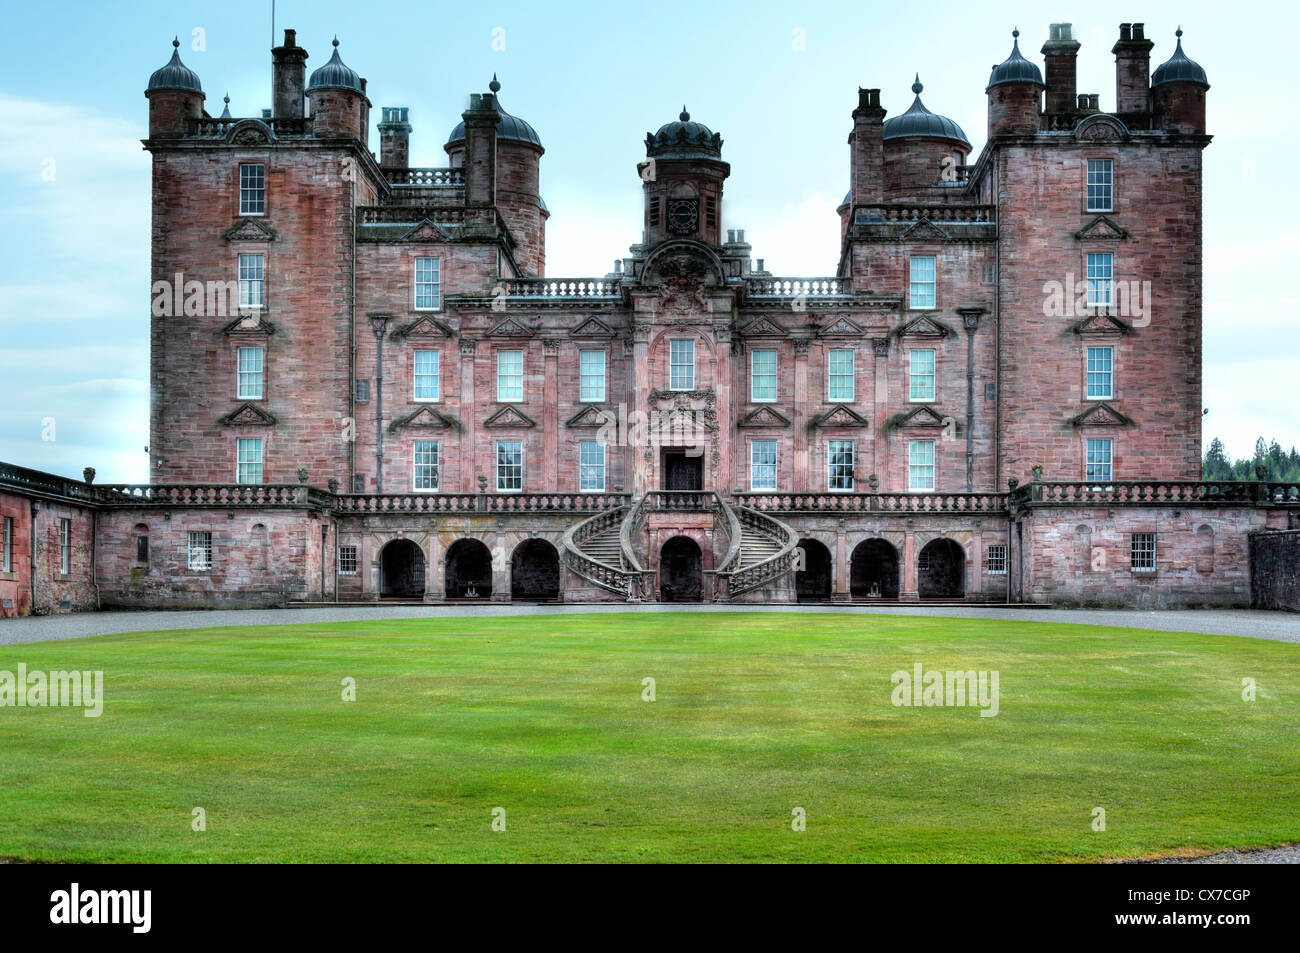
(918, 147)
(338, 100)
(683, 139)
(1178, 92)
(1015, 68)
(175, 75)
(510, 129)
(919, 123)
(682, 181)
(175, 97)
(1178, 68)
(334, 75)
(1015, 94)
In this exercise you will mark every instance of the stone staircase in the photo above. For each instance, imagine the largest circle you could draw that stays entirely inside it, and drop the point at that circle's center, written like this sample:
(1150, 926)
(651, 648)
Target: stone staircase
(755, 547)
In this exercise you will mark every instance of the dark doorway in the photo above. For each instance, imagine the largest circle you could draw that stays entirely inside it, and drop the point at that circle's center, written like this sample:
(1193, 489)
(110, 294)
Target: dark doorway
(680, 576)
(941, 570)
(683, 471)
(873, 570)
(469, 570)
(535, 571)
(401, 570)
(812, 583)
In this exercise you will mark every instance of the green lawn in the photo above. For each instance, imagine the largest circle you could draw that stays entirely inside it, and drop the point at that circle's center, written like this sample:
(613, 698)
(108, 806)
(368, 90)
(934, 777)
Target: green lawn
(756, 714)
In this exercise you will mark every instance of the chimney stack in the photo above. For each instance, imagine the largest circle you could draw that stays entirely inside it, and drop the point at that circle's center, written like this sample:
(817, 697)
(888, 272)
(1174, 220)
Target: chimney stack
(481, 149)
(394, 138)
(288, 78)
(867, 151)
(1062, 52)
(1132, 70)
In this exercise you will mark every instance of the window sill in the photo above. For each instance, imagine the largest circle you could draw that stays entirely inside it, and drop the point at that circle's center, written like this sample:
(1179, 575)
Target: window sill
(427, 310)
(426, 400)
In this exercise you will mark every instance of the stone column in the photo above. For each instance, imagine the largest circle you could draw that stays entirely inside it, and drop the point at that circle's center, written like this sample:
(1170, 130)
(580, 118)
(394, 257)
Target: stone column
(468, 451)
(800, 417)
(639, 471)
(551, 416)
(880, 464)
(434, 583)
(841, 570)
(975, 564)
(909, 593)
(501, 567)
(722, 385)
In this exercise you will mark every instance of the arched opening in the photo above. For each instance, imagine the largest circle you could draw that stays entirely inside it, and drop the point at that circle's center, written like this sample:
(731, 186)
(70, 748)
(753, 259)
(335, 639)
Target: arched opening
(535, 571)
(469, 570)
(873, 570)
(812, 583)
(261, 546)
(401, 570)
(680, 571)
(941, 570)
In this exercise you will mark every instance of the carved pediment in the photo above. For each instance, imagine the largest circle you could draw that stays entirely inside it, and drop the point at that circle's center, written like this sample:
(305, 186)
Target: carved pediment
(764, 327)
(764, 417)
(251, 323)
(841, 415)
(591, 417)
(925, 231)
(1101, 229)
(247, 415)
(426, 230)
(684, 421)
(840, 327)
(250, 230)
(425, 418)
(1102, 324)
(1101, 128)
(593, 328)
(509, 417)
(250, 132)
(1101, 415)
(426, 326)
(923, 325)
(510, 328)
(923, 416)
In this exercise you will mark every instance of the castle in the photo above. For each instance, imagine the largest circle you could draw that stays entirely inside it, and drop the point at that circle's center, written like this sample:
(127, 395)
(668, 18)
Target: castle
(364, 385)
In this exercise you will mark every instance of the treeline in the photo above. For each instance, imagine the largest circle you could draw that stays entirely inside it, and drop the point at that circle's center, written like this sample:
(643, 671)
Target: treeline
(1283, 465)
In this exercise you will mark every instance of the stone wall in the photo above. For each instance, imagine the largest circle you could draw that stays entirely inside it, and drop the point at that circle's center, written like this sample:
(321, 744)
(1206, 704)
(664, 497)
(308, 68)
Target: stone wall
(40, 586)
(1275, 570)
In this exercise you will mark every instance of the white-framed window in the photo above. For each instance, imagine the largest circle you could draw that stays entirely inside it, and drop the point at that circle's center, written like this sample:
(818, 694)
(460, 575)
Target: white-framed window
(1101, 373)
(921, 290)
(762, 465)
(510, 376)
(920, 466)
(248, 460)
(200, 550)
(591, 466)
(1100, 455)
(1101, 274)
(1101, 185)
(839, 466)
(839, 375)
(427, 375)
(347, 560)
(252, 275)
(591, 377)
(249, 363)
(995, 559)
(762, 376)
(1142, 552)
(65, 546)
(7, 546)
(424, 456)
(428, 284)
(920, 374)
(681, 364)
(510, 466)
(252, 189)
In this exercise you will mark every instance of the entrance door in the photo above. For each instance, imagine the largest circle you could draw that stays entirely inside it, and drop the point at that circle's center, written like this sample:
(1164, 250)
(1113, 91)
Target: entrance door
(683, 471)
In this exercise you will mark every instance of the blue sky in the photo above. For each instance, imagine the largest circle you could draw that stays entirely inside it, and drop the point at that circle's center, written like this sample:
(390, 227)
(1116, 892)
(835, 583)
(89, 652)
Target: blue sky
(592, 78)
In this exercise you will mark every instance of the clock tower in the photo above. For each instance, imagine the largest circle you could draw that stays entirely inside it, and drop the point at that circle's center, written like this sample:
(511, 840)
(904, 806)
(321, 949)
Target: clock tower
(683, 175)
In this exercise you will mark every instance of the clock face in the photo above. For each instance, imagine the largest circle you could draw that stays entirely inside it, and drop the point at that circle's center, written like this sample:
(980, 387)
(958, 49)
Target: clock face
(683, 216)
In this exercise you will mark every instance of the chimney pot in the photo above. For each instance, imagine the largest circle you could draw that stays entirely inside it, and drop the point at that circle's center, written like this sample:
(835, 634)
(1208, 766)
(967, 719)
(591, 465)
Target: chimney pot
(1138, 33)
(1126, 31)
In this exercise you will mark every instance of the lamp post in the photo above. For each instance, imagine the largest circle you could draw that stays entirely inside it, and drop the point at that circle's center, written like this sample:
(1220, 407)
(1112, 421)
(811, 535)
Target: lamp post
(379, 324)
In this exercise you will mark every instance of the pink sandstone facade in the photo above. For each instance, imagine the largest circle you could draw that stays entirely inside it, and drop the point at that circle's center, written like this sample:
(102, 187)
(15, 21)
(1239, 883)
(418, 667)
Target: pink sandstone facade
(365, 385)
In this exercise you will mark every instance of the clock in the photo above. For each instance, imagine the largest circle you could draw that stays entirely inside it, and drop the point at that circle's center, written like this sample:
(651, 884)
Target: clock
(683, 216)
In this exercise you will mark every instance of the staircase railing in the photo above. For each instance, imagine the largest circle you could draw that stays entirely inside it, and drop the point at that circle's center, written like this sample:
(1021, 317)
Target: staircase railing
(632, 522)
(761, 573)
(609, 577)
(726, 514)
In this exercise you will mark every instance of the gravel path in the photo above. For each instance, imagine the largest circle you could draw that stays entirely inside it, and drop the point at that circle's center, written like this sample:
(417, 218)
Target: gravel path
(1268, 855)
(1277, 626)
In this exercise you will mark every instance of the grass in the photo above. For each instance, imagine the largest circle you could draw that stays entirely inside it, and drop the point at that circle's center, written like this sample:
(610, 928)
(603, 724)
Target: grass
(755, 714)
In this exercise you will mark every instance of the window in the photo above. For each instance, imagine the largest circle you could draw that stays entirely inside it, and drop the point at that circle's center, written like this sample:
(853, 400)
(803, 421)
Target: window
(1101, 364)
(200, 550)
(591, 467)
(1099, 459)
(361, 391)
(921, 292)
(425, 456)
(921, 374)
(1142, 552)
(654, 213)
(427, 383)
(428, 285)
(510, 466)
(839, 465)
(710, 211)
(681, 365)
(839, 375)
(995, 560)
(762, 465)
(252, 189)
(249, 361)
(591, 377)
(7, 546)
(142, 549)
(1100, 273)
(1101, 185)
(762, 376)
(248, 467)
(251, 275)
(65, 546)
(920, 465)
(347, 560)
(510, 376)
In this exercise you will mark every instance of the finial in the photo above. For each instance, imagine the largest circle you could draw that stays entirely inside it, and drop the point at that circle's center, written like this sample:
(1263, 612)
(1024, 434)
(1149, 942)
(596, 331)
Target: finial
(685, 116)
(916, 85)
(494, 85)
(1179, 31)
(176, 42)
(1015, 34)
(336, 39)
(226, 99)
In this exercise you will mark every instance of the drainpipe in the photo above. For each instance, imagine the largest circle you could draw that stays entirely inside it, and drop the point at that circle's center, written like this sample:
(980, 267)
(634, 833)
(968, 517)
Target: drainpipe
(31, 557)
(352, 349)
(378, 324)
(970, 319)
